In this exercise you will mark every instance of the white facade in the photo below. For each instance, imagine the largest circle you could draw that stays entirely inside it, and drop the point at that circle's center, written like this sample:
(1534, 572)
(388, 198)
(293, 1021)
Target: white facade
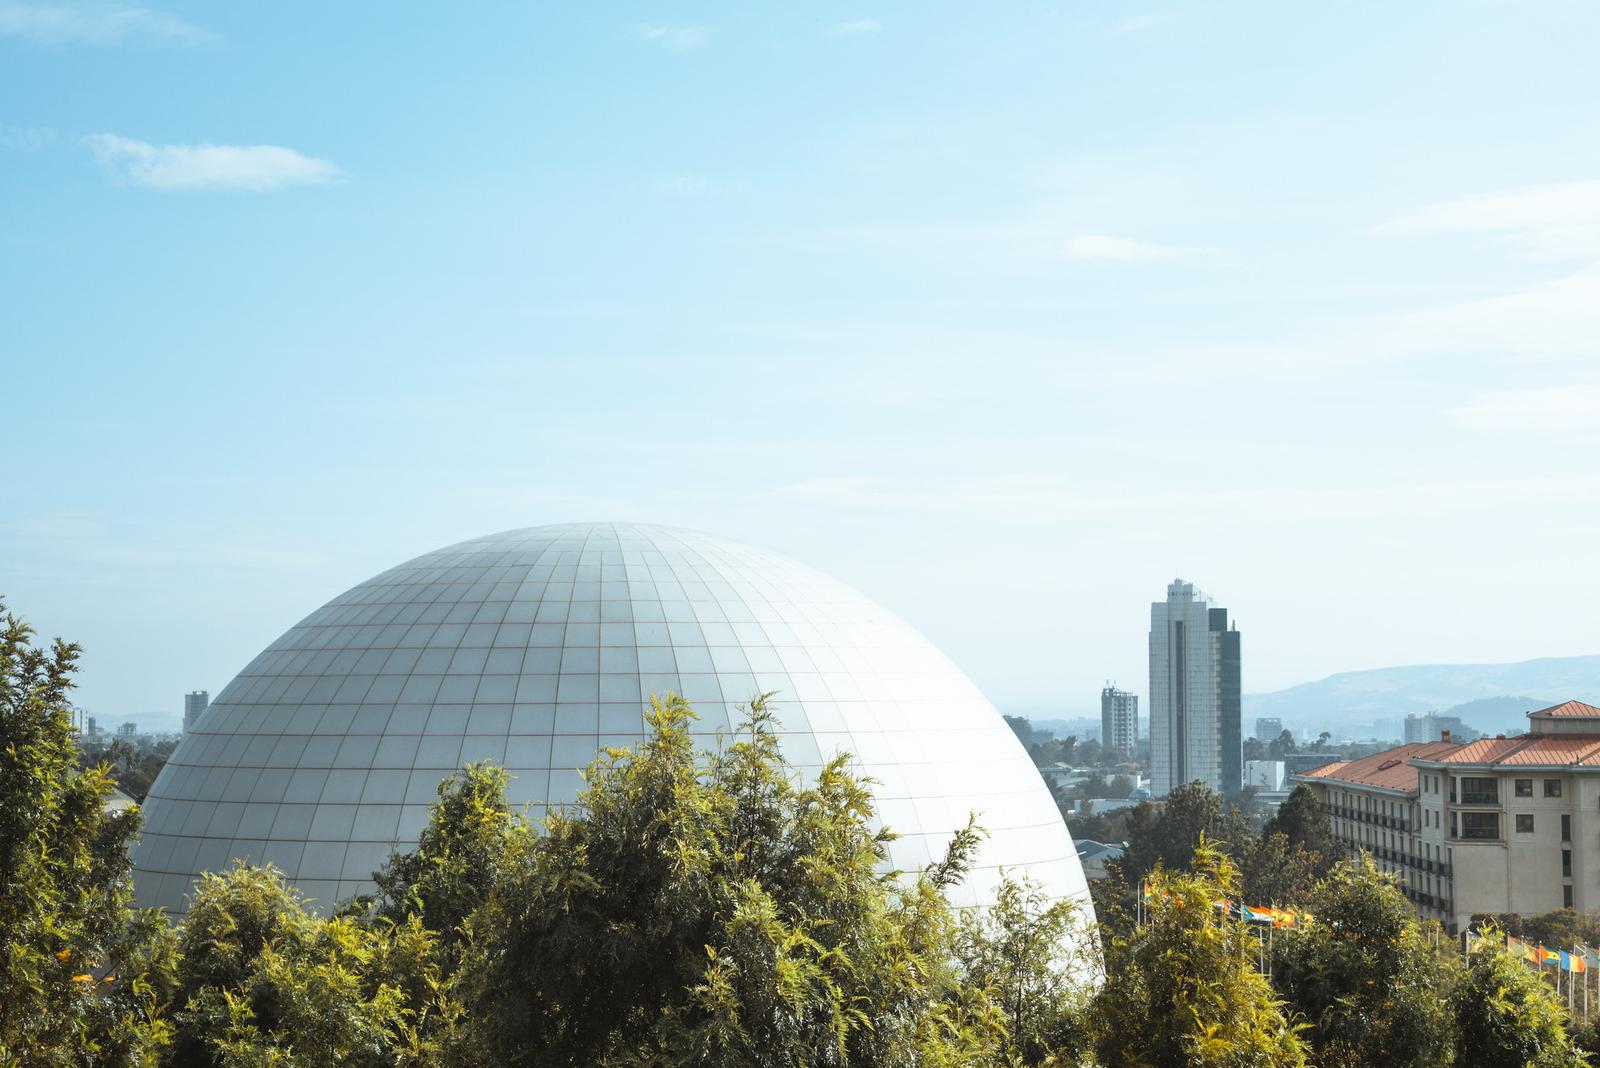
(1194, 693)
(1264, 774)
(1499, 825)
(1119, 720)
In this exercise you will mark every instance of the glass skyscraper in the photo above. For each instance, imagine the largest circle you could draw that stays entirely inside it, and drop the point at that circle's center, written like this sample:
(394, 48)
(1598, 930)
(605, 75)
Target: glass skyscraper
(1195, 730)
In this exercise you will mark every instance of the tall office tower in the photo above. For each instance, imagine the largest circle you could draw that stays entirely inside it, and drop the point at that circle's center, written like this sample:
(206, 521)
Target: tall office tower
(1268, 728)
(1119, 720)
(1194, 694)
(194, 706)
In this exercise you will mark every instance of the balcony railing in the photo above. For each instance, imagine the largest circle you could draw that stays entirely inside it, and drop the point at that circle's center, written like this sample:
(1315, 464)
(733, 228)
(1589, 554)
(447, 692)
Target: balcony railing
(1480, 797)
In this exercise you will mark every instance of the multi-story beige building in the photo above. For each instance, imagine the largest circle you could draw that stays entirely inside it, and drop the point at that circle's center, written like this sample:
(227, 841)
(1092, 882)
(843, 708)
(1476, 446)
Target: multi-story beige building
(1494, 825)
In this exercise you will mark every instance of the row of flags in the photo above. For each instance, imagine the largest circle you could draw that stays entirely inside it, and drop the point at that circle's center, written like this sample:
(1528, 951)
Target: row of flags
(1578, 961)
(1268, 916)
(1259, 914)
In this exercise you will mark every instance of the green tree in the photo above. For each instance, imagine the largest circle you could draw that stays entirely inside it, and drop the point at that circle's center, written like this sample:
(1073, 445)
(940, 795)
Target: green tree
(449, 875)
(264, 981)
(1275, 872)
(710, 909)
(1364, 975)
(1166, 833)
(1281, 746)
(1561, 929)
(1506, 1016)
(1029, 954)
(133, 769)
(1303, 821)
(1183, 989)
(83, 976)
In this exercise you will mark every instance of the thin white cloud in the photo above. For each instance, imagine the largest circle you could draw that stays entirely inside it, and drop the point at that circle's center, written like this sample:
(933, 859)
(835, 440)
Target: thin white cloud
(101, 24)
(1569, 409)
(1105, 247)
(673, 38)
(1562, 218)
(259, 168)
(26, 138)
(855, 27)
(1557, 319)
(1046, 499)
(1137, 23)
(684, 185)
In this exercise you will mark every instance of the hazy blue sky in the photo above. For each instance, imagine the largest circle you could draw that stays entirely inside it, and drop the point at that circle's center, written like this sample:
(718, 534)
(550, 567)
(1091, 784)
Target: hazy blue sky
(1006, 314)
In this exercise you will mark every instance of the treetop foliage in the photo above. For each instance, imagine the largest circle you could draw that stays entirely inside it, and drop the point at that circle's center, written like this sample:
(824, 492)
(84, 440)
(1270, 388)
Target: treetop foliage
(79, 969)
(1184, 990)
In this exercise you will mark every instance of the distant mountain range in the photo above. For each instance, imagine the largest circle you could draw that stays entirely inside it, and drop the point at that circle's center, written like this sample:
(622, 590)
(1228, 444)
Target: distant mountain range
(1489, 697)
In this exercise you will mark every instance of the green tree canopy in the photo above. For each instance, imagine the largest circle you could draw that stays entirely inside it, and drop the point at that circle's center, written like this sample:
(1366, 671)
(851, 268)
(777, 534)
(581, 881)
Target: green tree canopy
(1183, 989)
(1303, 821)
(449, 875)
(710, 909)
(1363, 975)
(1030, 954)
(82, 975)
(265, 981)
(1506, 1016)
(1274, 872)
(1166, 833)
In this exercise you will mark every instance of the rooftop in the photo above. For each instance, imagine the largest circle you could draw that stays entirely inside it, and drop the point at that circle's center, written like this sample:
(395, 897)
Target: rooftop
(1395, 769)
(1568, 710)
(1388, 770)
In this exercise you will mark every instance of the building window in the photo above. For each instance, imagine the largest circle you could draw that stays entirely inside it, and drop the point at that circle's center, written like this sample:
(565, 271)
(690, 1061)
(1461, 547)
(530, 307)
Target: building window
(1524, 787)
(1566, 863)
(1487, 791)
(1524, 823)
(1552, 788)
(1566, 895)
(1480, 825)
(1566, 828)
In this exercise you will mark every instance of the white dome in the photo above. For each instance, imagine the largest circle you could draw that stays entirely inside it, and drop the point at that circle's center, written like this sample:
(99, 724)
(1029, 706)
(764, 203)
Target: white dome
(534, 648)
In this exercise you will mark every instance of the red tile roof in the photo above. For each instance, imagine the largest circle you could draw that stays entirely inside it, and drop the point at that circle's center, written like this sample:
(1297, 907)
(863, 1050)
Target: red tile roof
(1539, 750)
(1388, 770)
(1569, 708)
(1392, 769)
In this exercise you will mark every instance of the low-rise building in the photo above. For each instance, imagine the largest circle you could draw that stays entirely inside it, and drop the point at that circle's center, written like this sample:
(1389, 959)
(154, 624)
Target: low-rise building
(1094, 856)
(1493, 825)
(1264, 775)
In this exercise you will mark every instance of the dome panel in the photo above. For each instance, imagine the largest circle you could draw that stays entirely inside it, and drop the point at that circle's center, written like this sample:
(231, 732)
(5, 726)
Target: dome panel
(535, 648)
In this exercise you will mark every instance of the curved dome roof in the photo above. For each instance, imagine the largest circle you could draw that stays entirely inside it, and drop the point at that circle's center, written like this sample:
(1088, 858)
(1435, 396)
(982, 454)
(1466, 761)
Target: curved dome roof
(533, 648)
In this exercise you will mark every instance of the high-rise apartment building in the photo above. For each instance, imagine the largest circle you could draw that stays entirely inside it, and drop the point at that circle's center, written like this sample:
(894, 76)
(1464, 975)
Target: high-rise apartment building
(195, 704)
(1119, 720)
(1194, 694)
(1268, 728)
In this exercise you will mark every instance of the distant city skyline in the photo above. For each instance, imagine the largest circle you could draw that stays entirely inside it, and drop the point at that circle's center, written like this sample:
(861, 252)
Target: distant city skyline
(1002, 319)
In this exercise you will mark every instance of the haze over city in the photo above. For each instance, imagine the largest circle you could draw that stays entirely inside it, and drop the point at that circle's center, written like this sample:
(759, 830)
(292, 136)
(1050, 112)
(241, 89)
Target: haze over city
(1006, 318)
